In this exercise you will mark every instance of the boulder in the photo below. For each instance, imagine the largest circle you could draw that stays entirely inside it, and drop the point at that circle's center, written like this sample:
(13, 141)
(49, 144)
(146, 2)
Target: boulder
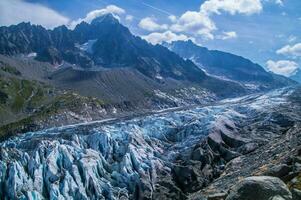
(279, 170)
(260, 188)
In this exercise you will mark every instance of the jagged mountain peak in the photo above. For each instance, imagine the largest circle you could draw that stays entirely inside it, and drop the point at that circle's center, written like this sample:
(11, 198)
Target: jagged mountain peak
(187, 44)
(105, 19)
(61, 28)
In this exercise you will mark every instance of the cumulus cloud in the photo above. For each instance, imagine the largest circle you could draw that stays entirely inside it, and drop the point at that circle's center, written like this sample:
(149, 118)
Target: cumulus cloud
(290, 50)
(16, 11)
(232, 6)
(283, 67)
(115, 10)
(150, 24)
(227, 35)
(195, 23)
(172, 18)
(168, 36)
(200, 22)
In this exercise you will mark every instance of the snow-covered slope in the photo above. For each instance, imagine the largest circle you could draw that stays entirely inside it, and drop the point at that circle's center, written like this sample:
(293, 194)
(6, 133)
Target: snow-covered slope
(147, 157)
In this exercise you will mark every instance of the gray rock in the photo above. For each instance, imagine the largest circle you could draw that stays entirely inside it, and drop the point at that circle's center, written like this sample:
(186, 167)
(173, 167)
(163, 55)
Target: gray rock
(296, 194)
(277, 198)
(217, 196)
(260, 188)
(279, 171)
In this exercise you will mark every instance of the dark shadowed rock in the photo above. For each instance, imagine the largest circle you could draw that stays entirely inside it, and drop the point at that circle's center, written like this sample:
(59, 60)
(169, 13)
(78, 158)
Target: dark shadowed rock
(260, 188)
(296, 194)
(279, 171)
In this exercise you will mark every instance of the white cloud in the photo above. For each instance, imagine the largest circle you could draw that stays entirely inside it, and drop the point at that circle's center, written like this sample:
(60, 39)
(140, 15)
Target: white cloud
(16, 11)
(172, 18)
(227, 35)
(200, 22)
(195, 23)
(129, 18)
(292, 38)
(150, 24)
(279, 2)
(290, 50)
(247, 7)
(168, 36)
(283, 67)
(115, 10)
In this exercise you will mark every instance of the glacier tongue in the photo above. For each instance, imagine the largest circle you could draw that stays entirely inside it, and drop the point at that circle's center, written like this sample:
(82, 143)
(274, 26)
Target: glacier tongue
(138, 158)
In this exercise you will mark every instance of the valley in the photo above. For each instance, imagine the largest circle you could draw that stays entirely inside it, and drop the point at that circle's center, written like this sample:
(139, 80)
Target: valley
(158, 155)
(93, 110)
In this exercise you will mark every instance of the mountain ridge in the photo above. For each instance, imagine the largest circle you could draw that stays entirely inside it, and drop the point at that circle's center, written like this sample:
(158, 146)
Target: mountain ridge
(106, 44)
(112, 45)
(227, 65)
(97, 62)
(115, 46)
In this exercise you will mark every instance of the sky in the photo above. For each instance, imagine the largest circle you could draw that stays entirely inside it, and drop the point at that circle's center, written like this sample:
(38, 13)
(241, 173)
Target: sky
(266, 31)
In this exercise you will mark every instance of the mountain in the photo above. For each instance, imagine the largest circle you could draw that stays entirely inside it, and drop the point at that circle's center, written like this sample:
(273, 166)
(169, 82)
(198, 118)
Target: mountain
(228, 66)
(112, 46)
(98, 113)
(106, 44)
(297, 76)
(95, 71)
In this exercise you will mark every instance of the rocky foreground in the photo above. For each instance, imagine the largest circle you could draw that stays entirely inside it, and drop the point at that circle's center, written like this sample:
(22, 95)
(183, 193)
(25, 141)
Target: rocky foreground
(199, 153)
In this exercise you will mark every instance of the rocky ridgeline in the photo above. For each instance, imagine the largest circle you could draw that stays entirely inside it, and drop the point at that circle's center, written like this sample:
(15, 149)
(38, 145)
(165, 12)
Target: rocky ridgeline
(171, 155)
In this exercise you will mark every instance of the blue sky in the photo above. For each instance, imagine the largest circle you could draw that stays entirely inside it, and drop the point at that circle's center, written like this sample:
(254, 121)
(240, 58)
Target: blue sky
(266, 31)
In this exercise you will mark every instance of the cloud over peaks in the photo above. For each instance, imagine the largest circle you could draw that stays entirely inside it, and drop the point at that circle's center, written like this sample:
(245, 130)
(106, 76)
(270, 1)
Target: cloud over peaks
(115, 10)
(150, 24)
(195, 23)
(168, 36)
(200, 23)
(16, 11)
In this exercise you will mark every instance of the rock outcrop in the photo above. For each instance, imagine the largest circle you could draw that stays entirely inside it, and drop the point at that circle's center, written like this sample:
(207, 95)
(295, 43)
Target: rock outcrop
(260, 188)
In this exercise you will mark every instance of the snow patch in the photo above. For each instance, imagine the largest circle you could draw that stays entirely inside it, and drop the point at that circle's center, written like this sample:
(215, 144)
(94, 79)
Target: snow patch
(32, 55)
(87, 47)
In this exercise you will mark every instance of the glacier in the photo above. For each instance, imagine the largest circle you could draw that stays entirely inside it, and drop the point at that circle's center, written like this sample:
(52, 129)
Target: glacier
(157, 155)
